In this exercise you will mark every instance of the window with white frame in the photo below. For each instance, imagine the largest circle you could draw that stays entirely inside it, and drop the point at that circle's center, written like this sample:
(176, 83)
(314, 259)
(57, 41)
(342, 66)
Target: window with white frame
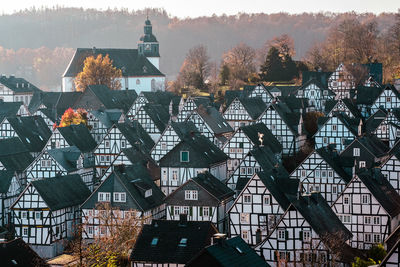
(148, 193)
(281, 234)
(330, 174)
(365, 199)
(163, 146)
(367, 238)
(334, 189)
(303, 173)
(206, 211)
(174, 175)
(334, 127)
(245, 235)
(123, 143)
(38, 215)
(323, 174)
(90, 230)
(362, 164)
(185, 210)
(356, 152)
(191, 194)
(119, 197)
(267, 200)
(243, 170)
(306, 236)
(346, 200)
(247, 198)
(367, 220)
(104, 196)
(244, 217)
(377, 238)
(107, 144)
(25, 231)
(176, 211)
(184, 156)
(377, 220)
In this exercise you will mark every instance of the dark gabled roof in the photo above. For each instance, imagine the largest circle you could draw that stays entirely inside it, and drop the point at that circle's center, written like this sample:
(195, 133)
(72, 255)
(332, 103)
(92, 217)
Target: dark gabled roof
(375, 120)
(203, 153)
(329, 105)
(79, 136)
(367, 95)
(169, 235)
(350, 123)
(214, 119)
(290, 117)
(317, 212)
(61, 192)
(14, 155)
(135, 155)
(322, 87)
(159, 97)
(255, 106)
(108, 117)
(183, 129)
(202, 100)
(5, 180)
(136, 135)
(269, 139)
(293, 103)
(231, 95)
(158, 114)
(234, 252)
(352, 107)
(332, 158)
(19, 254)
(137, 179)
(284, 90)
(18, 85)
(32, 131)
(382, 190)
(320, 76)
(66, 157)
(213, 186)
(48, 99)
(9, 109)
(279, 186)
(374, 145)
(128, 60)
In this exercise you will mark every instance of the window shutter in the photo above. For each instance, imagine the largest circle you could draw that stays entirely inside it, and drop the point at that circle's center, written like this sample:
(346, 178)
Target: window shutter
(190, 211)
(301, 235)
(201, 211)
(41, 215)
(171, 210)
(286, 235)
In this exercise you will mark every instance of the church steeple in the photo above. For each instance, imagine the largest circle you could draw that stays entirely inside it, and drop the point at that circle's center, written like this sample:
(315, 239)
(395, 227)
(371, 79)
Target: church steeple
(148, 44)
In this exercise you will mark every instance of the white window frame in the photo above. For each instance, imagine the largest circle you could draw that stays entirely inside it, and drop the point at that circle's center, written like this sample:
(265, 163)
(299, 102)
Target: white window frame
(356, 152)
(119, 197)
(104, 196)
(247, 199)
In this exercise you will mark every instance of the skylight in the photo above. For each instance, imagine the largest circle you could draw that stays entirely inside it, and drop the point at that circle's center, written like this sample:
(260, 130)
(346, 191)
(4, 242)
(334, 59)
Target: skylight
(239, 250)
(183, 242)
(154, 241)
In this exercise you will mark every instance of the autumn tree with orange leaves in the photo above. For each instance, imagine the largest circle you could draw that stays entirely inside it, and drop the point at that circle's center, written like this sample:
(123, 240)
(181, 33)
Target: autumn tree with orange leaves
(71, 116)
(98, 70)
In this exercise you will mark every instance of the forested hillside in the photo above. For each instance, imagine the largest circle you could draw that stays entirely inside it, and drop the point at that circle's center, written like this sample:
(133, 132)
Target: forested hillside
(38, 44)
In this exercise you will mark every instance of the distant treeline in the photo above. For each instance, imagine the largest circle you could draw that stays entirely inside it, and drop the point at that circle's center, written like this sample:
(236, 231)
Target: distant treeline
(38, 43)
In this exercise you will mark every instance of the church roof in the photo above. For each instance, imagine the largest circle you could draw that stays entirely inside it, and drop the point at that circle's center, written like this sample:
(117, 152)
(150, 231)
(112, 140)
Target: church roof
(128, 60)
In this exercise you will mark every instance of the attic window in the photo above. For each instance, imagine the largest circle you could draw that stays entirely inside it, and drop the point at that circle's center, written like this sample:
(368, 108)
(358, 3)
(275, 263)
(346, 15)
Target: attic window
(183, 242)
(184, 156)
(148, 193)
(154, 241)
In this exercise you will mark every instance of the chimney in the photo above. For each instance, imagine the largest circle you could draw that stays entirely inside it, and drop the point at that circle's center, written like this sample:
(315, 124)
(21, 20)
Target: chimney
(183, 220)
(218, 239)
(360, 128)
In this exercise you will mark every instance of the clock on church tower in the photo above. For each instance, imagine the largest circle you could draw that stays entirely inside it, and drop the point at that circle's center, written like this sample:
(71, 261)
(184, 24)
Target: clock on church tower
(148, 44)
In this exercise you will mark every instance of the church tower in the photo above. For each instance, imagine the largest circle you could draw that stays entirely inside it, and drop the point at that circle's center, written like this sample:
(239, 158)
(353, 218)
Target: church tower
(148, 45)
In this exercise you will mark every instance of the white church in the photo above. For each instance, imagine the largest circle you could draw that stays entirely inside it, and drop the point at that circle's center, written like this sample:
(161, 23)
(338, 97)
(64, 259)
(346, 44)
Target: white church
(140, 67)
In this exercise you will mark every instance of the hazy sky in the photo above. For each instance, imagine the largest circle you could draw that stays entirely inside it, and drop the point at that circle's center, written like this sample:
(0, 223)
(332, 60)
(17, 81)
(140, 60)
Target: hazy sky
(191, 8)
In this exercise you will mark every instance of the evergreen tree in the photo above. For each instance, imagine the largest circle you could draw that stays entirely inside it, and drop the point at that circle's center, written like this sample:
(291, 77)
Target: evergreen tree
(224, 74)
(272, 69)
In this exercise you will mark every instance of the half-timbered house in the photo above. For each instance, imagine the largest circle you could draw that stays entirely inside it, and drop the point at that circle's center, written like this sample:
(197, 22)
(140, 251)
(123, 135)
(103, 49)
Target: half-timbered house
(390, 169)
(100, 121)
(345, 105)
(10, 188)
(46, 212)
(366, 97)
(341, 82)
(369, 207)
(316, 93)
(13, 89)
(202, 198)
(377, 125)
(392, 258)
(191, 156)
(262, 92)
(125, 190)
(388, 99)
(190, 105)
(243, 111)
(154, 118)
(309, 234)
(260, 205)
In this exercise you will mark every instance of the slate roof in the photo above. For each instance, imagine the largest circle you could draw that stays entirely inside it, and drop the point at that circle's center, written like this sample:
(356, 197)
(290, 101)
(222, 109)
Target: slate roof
(63, 191)
(19, 254)
(203, 153)
(375, 71)
(322, 86)
(255, 106)
(367, 95)
(158, 114)
(320, 76)
(350, 123)
(108, 117)
(5, 180)
(66, 157)
(128, 60)
(134, 133)
(382, 190)
(9, 109)
(169, 234)
(375, 120)
(32, 131)
(79, 136)
(352, 107)
(290, 117)
(18, 85)
(183, 129)
(14, 155)
(336, 162)
(231, 95)
(214, 119)
(48, 99)
(234, 252)
(374, 145)
(213, 186)
(269, 139)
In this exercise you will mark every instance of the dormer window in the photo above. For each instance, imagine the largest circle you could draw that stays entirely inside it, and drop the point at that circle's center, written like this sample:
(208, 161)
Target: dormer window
(104, 197)
(119, 197)
(154, 241)
(148, 193)
(184, 156)
(182, 242)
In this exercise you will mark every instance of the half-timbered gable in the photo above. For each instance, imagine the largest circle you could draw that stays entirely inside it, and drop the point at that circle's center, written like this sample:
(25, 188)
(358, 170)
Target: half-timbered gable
(285, 125)
(316, 93)
(191, 156)
(388, 99)
(158, 97)
(121, 135)
(244, 139)
(172, 135)
(260, 205)
(367, 152)
(345, 105)
(10, 188)
(100, 121)
(262, 92)
(366, 97)
(323, 171)
(46, 212)
(369, 207)
(377, 125)
(390, 169)
(341, 82)
(202, 198)
(309, 234)
(392, 258)
(171, 243)
(211, 124)
(190, 105)
(338, 131)
(44, 166)
(243, 111)
(127, 189)
(154, 118)
(16, 89)
(259, 158)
